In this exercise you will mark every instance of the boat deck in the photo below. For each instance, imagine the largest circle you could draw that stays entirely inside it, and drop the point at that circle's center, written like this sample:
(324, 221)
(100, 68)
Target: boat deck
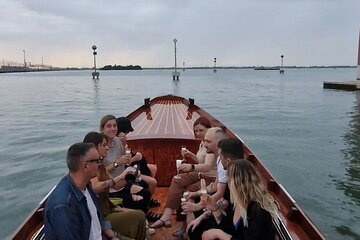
(168, 118)
(164, 233)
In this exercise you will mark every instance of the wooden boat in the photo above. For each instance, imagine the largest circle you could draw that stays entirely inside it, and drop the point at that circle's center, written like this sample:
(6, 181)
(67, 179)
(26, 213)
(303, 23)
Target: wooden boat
(164, 124)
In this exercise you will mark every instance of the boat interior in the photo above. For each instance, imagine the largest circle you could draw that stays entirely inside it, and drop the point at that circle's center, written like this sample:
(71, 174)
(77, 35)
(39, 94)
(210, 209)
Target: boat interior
(162, 126)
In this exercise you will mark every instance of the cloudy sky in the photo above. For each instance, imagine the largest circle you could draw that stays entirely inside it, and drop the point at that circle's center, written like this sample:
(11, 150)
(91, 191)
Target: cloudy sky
(236, 32)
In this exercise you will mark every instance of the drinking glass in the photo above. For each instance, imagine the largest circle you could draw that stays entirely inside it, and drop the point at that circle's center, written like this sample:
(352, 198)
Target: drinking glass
(184, 199)
(203, 191)
(137, 170)
(183, 149)
(178, 164)
(127, 153)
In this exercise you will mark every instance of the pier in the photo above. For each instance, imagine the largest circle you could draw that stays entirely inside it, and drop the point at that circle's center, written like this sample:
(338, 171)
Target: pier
(347, 86)
(350, 85)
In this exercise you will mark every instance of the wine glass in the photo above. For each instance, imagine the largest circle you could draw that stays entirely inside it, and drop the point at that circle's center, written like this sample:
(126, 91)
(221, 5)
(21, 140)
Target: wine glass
(127, 153)
(137, 171)
(184, 199)
(178, 164)
(183, 149)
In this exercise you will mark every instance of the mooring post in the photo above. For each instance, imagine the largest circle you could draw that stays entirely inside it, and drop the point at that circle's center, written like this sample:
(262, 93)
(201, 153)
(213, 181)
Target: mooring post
(95, 74)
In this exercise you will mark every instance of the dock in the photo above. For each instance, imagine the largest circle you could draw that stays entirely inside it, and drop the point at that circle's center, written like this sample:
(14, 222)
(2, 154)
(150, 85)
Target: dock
(350, 85)
(347, 86)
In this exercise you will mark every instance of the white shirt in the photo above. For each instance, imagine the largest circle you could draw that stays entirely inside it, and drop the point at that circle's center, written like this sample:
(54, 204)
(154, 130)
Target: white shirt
(221, 172)
(95, 230)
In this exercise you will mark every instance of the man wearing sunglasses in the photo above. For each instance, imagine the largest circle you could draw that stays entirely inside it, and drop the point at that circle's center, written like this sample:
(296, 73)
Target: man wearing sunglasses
(72, 210)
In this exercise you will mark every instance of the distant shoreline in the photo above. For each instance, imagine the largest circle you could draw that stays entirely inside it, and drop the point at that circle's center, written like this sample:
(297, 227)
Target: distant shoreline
(166, 68)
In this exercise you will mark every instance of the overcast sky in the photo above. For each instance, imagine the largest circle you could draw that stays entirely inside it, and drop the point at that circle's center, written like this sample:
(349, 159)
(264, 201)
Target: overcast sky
(236, 32)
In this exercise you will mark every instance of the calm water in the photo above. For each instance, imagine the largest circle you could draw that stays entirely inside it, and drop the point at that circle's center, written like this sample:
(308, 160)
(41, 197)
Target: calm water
(308, 137)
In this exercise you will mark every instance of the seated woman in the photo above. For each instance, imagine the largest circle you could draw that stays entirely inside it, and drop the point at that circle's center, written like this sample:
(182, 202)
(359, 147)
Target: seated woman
(133, 195)
(135, 220)
(205, 169)
(148, 171)
(252, 210)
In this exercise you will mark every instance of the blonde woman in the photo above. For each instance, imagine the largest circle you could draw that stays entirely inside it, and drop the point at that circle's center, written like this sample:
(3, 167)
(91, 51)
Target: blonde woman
(253, 207)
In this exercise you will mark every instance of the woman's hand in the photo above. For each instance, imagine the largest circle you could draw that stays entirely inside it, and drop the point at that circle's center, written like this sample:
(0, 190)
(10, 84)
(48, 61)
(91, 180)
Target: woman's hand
(193, 195)
(124, 159)
(186, 153)
(123, 174)
(136, 157)
(191, 207)
(215, 234)
(211, 203)
(122, 137)
(193, 224)
(185, 167)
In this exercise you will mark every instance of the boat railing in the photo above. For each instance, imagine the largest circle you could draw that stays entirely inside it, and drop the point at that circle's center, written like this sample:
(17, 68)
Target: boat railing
(39, 235)
(281, 230)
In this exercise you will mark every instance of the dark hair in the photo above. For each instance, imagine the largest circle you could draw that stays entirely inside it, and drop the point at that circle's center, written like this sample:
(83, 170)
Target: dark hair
(231, 148)
(94, 137)
(75, 154)
(202, 121)
(123, 125)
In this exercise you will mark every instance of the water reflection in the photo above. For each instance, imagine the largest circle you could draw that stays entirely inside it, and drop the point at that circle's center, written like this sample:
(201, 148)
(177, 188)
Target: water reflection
(175, 87)
(96, 91)
(350, 184)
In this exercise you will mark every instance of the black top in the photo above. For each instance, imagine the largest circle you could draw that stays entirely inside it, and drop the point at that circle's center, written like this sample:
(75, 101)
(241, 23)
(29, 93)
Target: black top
(259, 224)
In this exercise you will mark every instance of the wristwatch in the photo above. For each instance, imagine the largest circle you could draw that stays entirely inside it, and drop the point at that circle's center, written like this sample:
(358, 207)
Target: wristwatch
(115, 164)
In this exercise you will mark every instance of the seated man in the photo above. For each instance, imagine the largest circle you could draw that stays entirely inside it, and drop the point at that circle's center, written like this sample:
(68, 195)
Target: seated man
(72, 210)
(228, 150)
(190, 181)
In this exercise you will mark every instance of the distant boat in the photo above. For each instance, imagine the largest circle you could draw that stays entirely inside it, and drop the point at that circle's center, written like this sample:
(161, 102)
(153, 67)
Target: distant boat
(267, 68)
(7, 69)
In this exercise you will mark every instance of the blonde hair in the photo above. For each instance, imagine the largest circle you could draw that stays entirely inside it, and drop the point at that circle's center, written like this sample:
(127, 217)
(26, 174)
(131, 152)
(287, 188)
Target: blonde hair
(245, 186)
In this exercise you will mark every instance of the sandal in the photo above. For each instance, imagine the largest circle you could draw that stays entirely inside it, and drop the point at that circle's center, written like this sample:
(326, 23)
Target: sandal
(152, 217)
(154, 203)
(161, 223)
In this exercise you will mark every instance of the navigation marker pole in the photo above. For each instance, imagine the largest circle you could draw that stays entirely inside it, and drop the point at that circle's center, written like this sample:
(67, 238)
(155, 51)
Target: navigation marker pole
(214, 69)
(95, 74)
(358, 62)
(175, 74)
(24, 59)
(281, 68)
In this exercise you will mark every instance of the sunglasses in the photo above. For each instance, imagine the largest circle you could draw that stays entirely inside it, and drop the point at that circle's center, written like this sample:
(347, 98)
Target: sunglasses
(99, 160)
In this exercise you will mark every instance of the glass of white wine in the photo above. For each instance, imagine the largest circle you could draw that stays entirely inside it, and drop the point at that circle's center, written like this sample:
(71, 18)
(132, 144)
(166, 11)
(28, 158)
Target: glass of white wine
(185, 198)
(178, 164)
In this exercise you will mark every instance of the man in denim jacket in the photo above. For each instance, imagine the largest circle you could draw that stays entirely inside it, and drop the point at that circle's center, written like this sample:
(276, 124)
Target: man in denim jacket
(72, 210)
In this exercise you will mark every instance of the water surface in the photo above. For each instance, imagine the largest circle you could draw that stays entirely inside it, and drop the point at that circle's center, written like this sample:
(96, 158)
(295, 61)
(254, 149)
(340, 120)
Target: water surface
(308, 137)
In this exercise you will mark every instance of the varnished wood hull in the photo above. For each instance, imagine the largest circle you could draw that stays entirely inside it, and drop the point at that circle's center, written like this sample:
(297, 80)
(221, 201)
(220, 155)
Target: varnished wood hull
(164, 124)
